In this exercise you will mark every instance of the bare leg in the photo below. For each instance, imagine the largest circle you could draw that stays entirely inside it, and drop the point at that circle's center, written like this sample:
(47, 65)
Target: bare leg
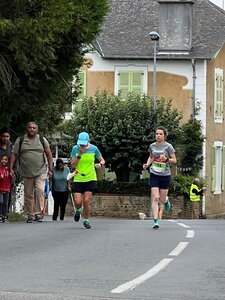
(155, 202)
(78, 197)
(86, 203)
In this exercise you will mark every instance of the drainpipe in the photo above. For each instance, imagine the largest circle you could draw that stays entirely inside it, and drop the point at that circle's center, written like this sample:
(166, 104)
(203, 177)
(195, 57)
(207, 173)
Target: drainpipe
(193, 118)
(193, 89)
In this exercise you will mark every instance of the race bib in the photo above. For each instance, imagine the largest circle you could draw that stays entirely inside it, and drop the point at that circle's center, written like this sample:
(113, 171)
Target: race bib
(159, 167)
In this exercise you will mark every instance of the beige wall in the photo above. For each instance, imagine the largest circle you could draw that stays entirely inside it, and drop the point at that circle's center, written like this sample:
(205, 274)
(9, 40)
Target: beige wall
(215, 204)
(168, 86)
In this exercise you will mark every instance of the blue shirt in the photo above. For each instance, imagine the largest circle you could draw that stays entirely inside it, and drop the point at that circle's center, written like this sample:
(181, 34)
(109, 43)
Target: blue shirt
(60, 179)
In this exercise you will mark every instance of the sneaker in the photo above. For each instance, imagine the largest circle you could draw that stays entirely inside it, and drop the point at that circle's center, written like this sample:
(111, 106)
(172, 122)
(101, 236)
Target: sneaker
(38, 218)
(156, 225)
(87, 225)
(30, 219)
(4, 220)
(167, 206)
(77, 216)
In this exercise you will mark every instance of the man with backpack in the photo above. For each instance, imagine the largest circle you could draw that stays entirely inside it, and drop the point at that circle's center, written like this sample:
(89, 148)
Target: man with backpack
(31, 150)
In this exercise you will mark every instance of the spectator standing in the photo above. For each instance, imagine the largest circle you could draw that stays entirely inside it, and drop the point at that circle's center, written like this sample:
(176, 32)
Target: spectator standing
(83, 157)
(5, 187)
(60, 190)
(31, 149)
(195, 196)
(6, 148)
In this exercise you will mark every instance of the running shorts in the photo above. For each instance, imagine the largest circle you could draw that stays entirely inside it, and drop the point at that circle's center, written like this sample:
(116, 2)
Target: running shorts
(82, 187)
(162, 182)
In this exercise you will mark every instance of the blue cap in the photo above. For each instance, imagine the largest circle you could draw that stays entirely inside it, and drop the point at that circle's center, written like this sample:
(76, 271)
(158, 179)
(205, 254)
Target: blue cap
(83, 138)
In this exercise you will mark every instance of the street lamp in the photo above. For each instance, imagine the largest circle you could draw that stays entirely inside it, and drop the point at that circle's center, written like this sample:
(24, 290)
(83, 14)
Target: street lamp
(154, 37)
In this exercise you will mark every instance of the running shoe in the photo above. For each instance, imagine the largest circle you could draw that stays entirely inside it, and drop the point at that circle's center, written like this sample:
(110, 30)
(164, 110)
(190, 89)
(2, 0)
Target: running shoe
(4, 220)
(156, 225)
(30, 219)
(38, 218)
(77, 216)
(86, 224)
(167, 206)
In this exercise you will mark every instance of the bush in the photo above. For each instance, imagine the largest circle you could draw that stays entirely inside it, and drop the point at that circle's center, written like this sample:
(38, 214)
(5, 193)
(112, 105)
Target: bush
(16, 217)
(180, 185)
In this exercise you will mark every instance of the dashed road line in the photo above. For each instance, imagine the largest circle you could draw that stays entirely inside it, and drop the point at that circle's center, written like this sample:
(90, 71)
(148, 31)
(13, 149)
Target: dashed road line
(180, 247)
(190, 234)
(183, 225)
(132, 284)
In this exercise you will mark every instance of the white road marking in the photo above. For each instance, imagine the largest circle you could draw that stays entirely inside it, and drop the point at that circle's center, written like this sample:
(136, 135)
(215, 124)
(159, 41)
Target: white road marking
(190, 234)
(130, 285)
(181, 246)
(183, 225)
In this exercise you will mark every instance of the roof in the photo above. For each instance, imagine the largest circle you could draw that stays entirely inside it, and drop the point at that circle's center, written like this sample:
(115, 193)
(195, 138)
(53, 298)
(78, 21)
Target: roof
(124, 34)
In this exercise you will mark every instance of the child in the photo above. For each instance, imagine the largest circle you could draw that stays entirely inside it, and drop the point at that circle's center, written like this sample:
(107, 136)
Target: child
(5, 186)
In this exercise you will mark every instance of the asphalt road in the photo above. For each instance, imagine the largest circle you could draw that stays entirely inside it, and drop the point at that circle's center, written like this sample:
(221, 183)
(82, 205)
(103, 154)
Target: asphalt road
(116, 259)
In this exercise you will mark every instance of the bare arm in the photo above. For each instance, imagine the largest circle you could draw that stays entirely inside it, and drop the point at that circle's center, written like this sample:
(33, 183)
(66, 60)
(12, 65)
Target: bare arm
(172, 160)
(148, 163)
(48, 154)
(13, 158)
(101, 162)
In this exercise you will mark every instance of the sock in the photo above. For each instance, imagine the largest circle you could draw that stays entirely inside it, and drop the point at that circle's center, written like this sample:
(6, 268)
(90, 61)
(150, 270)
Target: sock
(86, 220)
(155, 220)
(78, 210)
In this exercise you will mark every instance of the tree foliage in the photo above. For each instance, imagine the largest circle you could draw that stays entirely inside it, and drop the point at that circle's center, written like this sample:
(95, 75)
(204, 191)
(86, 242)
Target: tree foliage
(190, 148)
(42, 44)
(123, 129)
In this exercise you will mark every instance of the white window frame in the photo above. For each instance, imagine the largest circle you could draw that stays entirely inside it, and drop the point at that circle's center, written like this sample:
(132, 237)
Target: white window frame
(143, 69)
(218, 95)
(218, 164)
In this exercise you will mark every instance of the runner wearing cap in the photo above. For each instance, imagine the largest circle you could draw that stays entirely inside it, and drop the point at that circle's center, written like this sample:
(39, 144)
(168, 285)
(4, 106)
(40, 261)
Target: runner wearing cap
(83, 158)
(162, 154)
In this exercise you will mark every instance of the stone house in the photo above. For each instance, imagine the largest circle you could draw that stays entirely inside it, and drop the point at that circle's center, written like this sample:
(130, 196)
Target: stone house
(190, 69)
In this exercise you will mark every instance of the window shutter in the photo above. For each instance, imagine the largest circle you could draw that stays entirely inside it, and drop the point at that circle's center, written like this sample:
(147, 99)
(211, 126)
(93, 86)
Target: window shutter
(137, 82)
(124, 83)
(223, 170)
(213, 169)
(82, 83)
(218, 94)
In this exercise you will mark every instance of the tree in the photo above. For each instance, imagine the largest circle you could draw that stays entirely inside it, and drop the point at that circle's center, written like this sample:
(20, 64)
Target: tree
(42, 45)
(123, 129)
(190, 148)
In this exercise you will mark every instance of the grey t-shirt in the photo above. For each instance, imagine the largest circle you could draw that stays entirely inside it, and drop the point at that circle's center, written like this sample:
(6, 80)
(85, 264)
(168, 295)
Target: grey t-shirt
(158, 167)
(31, 156)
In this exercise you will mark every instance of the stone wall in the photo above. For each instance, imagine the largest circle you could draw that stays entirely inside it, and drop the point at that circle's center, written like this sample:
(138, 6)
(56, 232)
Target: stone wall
(129, 207)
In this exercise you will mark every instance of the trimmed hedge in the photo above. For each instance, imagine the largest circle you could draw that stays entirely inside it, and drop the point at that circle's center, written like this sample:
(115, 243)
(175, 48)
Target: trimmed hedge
(139, 188)
(180, 185)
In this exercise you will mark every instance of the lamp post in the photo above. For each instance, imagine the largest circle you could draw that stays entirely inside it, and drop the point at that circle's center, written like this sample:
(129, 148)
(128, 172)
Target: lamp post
(154, 37)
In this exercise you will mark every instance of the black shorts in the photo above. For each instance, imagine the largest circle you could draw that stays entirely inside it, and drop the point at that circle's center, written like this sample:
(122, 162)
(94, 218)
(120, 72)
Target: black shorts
(162, 182)
(82, 187)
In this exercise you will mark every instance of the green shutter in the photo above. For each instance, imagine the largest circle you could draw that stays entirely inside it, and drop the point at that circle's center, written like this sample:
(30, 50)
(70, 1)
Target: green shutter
(130, 82)
(223, 169)
(218, 113)
(82, 83)
(124, 83)
(137, 82)
(213, 169)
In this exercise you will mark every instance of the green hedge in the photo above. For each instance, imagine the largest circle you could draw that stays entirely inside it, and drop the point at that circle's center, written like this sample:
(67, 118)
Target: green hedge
(139, 188)
(180, 185)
